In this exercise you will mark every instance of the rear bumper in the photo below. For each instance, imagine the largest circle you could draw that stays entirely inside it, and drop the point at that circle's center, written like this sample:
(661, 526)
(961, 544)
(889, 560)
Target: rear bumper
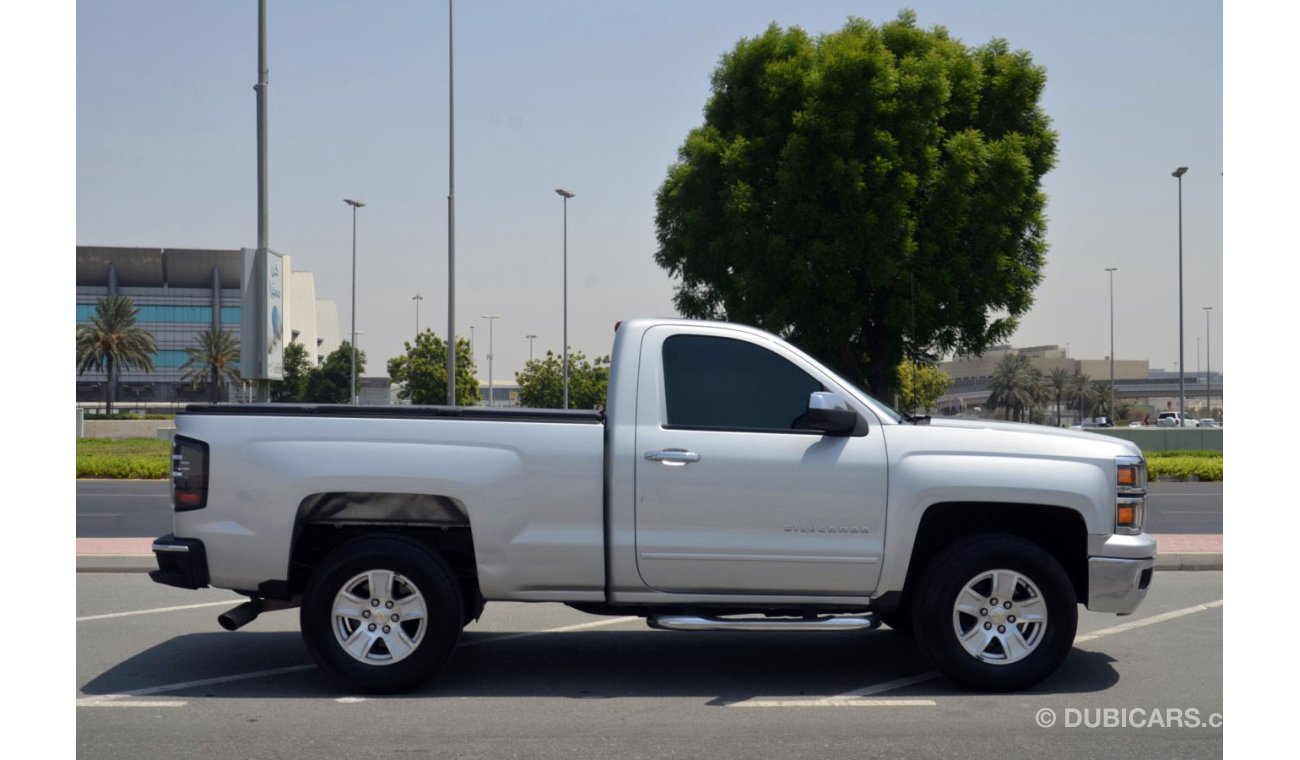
(182, 562)
(1119, 583)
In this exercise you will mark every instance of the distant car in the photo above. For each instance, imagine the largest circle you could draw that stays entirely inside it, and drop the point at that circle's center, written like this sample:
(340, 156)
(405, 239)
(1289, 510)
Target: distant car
(1209, 422)
(1170, 419)
(1135, 423)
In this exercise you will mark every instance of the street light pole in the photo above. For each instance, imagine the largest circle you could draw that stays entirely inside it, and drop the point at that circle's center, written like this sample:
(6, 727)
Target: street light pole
(417, 298)
(566, 195)
(451, 211)
(1111, 270)
(1209, 411)
(352, 392)
(530, 346)
(491, 392)
(1182, 388)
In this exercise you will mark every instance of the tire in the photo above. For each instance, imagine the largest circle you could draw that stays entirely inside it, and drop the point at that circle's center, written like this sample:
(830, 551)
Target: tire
(348, 610)
(900, 619)
(977, 636)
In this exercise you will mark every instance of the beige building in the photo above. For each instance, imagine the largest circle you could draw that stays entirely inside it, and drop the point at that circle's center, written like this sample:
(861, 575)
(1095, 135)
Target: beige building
(979, 369)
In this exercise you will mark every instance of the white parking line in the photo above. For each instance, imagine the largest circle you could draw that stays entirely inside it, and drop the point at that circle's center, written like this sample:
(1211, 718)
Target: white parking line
(855, 698)
(159, 609)
(111, 700)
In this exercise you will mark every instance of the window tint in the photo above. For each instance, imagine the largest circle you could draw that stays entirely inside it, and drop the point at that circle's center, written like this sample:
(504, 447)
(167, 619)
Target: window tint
(730, 384)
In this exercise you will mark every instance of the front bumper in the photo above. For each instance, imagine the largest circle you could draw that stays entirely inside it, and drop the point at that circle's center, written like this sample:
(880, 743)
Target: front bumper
(182, 562)
(1118, 580)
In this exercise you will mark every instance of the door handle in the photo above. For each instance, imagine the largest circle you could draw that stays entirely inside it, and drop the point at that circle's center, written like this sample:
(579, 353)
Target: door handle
(673, 457)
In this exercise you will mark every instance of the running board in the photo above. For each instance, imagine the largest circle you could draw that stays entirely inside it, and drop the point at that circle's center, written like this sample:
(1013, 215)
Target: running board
(691, 623)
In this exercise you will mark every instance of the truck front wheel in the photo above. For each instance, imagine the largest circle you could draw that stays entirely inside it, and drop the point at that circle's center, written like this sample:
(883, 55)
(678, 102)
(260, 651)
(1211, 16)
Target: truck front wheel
(995, 613)
(381, 614)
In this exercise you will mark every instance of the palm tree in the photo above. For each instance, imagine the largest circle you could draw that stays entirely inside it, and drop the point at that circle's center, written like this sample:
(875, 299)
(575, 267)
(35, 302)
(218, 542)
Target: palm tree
(113, 342)
(1059, 380)
(1017, 386)
(214, 357)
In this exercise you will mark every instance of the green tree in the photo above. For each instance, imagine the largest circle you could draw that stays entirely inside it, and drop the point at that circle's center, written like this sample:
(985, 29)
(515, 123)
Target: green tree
(329, 382)
(871, 195)
(919, 385)
(541, 384)
(293, 385)
(422, 371)
(114, 342)
(1059, 380)
(1083, 393)
(1016, 386)
(211, 361)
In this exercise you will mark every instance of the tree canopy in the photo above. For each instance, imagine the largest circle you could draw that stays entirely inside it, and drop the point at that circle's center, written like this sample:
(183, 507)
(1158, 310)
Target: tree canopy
(114, 342)
(292, 386)
(422, 371)
(328, 383)
(871, 195)
(919, 385)
(213, 360)
(541, 384)
(1017, 386)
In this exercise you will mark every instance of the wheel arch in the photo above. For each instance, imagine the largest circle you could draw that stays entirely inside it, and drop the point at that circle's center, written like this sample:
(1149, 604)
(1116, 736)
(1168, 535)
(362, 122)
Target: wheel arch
(1061, 531)
(328, 520)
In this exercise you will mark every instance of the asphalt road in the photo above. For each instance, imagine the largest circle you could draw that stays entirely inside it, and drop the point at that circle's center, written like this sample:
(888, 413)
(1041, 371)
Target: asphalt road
(140, 508)
(156, 678)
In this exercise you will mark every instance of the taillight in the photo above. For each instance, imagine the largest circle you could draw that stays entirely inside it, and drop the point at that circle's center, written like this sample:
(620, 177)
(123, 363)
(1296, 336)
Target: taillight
(189, 474)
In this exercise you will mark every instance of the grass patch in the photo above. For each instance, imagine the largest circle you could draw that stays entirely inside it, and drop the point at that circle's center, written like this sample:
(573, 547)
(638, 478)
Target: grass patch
(1185, 465)
(144, 458)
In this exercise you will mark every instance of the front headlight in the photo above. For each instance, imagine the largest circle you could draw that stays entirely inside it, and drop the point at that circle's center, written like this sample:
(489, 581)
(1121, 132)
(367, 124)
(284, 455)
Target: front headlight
(1130, 494)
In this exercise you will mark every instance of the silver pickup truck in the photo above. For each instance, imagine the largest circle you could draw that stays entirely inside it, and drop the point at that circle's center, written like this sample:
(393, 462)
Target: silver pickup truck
(733, 483)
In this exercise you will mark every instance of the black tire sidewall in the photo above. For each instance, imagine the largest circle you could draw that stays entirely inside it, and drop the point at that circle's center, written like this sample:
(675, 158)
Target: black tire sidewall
(948, 575)
(430, 575)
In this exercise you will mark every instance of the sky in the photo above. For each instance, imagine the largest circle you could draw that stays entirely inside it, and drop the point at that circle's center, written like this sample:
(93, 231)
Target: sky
(597, 97)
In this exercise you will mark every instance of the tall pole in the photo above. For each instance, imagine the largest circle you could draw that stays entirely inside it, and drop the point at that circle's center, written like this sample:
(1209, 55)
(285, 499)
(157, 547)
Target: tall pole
(1182, 388)
(263, 200)
(451, 212)
(417, 298)
(530, 346)
(565, 338)
(1209, 410)
(352, 391)
(1111, 270)
(491, 388)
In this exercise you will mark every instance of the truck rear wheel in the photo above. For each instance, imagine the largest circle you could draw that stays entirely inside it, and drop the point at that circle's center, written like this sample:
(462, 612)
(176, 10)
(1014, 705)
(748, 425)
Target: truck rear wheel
(995, 613)
(381, 614)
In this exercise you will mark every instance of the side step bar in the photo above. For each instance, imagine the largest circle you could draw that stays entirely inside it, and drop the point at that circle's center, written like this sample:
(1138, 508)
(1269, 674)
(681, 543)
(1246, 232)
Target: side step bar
(691, 623)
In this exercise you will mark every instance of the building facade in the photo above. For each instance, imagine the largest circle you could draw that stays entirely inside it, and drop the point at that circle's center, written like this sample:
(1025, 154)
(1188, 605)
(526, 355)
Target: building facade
(180, 293)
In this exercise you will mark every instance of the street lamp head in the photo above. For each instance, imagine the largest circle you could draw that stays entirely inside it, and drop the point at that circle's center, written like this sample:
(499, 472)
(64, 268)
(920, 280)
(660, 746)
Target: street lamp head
(1180, 171)
(490, 316)
(352, 203)
(563, 192)
(1112, 269)
(417, 297)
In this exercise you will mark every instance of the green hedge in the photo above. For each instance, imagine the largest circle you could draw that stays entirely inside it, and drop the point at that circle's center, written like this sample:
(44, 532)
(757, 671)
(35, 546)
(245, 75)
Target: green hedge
(1185, 465)
(144, 458)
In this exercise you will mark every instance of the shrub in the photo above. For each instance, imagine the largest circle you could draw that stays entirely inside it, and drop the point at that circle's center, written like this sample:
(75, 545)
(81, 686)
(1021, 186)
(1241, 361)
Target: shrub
(145, 458)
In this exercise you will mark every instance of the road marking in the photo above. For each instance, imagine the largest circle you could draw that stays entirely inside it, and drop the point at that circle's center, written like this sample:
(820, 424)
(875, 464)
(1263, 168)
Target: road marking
(835, 702)
(565, 629)
(1149, 621)
(107, 702)
(103, 700)
(855, 698)
(159, 609)
(94, 514)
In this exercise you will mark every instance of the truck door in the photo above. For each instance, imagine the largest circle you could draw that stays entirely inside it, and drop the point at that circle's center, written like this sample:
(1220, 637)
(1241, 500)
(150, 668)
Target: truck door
(733, 496)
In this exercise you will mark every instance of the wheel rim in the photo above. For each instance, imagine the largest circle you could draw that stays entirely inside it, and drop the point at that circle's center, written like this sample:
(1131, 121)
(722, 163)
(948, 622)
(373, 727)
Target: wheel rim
(1000, 617)
(379, 617)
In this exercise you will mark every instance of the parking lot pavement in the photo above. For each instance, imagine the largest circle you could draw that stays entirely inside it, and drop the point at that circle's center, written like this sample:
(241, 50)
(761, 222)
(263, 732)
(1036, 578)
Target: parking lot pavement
(156, 677)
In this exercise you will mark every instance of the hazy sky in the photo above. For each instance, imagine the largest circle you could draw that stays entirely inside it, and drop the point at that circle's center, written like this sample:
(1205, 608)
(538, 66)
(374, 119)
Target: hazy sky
(597, 97)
